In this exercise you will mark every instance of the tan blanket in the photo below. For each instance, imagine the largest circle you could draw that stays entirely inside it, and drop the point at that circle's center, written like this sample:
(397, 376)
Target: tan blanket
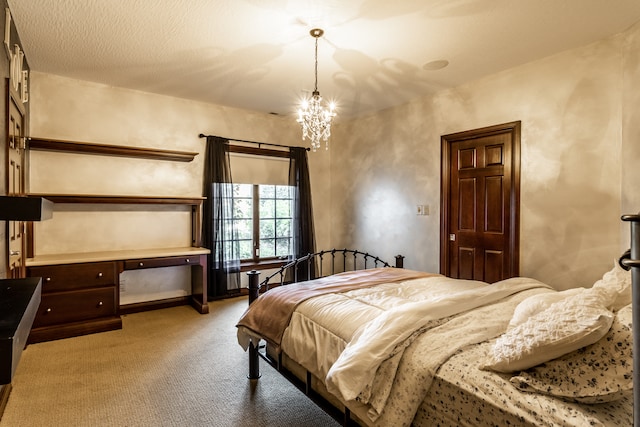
(269, 315)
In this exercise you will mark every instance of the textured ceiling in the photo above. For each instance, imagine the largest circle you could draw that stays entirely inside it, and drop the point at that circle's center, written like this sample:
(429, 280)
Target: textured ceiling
(258, 54)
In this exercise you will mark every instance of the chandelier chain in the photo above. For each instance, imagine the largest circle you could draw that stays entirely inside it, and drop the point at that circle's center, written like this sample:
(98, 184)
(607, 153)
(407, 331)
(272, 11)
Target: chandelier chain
(315, 89)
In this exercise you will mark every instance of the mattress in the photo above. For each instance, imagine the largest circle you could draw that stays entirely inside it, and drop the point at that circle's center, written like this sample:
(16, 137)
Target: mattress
(460, 394)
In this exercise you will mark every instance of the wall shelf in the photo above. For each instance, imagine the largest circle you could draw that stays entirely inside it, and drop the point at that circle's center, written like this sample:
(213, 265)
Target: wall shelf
(110, 150)
(82, 290)
(112, 199)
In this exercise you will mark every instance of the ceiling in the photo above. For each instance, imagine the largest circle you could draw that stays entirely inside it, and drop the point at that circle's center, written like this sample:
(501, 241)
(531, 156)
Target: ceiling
(259, 55)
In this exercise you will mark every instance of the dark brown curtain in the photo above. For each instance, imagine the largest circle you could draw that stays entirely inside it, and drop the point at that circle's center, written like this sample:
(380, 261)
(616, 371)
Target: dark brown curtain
(218, 233)
(303, 231)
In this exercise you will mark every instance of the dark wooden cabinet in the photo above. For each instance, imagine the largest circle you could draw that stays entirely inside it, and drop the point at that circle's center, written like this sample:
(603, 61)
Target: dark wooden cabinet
(77, 299)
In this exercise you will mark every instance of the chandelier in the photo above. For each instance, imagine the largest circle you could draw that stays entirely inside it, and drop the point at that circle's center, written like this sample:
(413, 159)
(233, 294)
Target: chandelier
(314, 118)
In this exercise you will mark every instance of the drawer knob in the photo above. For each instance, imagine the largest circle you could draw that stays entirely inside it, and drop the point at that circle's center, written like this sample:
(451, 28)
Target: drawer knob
(99, 303)
(48, 279)
(141, 264)
(100, 274)
(48, 310)
(187, 260)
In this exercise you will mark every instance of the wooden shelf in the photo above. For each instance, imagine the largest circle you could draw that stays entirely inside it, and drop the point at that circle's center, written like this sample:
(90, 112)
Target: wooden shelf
(110, 199)
(56, 259)
(110, 150)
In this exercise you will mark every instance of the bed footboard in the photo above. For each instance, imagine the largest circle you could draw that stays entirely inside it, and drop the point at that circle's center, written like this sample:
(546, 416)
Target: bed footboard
(325, 263)
(308, 267)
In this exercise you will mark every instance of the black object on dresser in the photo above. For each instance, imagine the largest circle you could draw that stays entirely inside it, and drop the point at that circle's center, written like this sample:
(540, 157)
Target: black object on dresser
(19, 301)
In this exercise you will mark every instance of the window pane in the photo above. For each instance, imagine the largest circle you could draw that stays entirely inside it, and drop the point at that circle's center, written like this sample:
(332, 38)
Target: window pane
(244, 229)
(283, 228)
(246, 249)
(267, 229)
(242, 208)
(283, 208)
(267, 248)
(283, 191)
(267, 208)
(283, 247)
(267, 191)
(227, 230)
(243, 190)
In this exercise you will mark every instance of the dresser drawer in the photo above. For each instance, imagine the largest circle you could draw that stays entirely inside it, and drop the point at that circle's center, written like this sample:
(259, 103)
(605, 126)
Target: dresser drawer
(137, 264)
(65, 307)
(75, 276)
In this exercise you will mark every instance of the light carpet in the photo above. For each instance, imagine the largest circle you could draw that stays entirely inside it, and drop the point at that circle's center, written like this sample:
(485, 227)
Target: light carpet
(170, 367)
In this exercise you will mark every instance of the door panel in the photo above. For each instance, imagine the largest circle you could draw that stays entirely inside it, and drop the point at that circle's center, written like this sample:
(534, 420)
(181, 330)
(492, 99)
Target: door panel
(16, 186)
(480, 203)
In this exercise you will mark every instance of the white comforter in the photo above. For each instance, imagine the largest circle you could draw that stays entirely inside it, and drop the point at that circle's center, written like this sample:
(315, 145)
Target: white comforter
(386, 343)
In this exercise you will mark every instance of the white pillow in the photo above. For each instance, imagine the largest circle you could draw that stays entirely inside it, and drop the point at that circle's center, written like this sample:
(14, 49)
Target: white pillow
(617, 282)
(537, 303)
(565, 326)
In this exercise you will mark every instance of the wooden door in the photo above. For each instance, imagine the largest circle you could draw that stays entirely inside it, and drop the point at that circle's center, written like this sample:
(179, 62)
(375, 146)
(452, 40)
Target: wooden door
(480, 203)
(16, 186)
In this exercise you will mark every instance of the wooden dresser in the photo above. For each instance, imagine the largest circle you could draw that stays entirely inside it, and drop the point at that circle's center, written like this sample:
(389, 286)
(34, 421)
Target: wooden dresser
(76, 299)
(81, 292)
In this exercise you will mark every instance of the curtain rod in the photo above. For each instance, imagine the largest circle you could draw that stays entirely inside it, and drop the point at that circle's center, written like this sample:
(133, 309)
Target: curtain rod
(253, 142)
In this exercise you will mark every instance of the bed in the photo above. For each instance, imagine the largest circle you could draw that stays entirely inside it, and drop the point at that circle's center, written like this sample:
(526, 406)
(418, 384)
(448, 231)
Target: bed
(391, 346)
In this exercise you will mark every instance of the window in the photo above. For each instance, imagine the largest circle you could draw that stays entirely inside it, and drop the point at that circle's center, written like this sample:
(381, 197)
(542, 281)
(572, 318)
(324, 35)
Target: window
(262, 218)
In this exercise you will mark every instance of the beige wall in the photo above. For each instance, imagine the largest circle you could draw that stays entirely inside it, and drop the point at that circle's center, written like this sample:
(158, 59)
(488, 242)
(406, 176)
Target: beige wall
(69, 109)
(579, 146)
(570, 106)
(630, 157)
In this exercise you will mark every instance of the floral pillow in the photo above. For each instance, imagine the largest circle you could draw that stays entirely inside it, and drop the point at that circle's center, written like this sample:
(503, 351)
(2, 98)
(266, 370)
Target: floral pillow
(600, 372)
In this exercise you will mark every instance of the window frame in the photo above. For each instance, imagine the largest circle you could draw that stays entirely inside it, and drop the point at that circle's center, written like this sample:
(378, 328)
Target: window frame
(260, 263)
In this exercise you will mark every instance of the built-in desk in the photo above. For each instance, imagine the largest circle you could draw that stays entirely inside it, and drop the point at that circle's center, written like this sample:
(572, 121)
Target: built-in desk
(19, 300)
(81, 292)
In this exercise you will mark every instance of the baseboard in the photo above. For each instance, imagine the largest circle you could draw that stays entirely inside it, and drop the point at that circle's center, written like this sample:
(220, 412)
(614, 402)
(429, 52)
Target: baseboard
(153, 305)
(68, 330)
(5, 390)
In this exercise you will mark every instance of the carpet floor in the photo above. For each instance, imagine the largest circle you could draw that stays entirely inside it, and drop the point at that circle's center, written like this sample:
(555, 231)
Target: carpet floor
(169, 367)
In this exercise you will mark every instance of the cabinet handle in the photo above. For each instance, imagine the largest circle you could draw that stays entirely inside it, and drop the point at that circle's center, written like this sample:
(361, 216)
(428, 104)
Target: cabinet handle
(187, 260)
(99, 303)
(48, 310)
(100, 274)
(141, 264)
(48, 279)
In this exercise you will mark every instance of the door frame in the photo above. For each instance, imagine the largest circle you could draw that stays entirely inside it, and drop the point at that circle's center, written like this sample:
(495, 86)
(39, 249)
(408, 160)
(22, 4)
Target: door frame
(513, 128)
